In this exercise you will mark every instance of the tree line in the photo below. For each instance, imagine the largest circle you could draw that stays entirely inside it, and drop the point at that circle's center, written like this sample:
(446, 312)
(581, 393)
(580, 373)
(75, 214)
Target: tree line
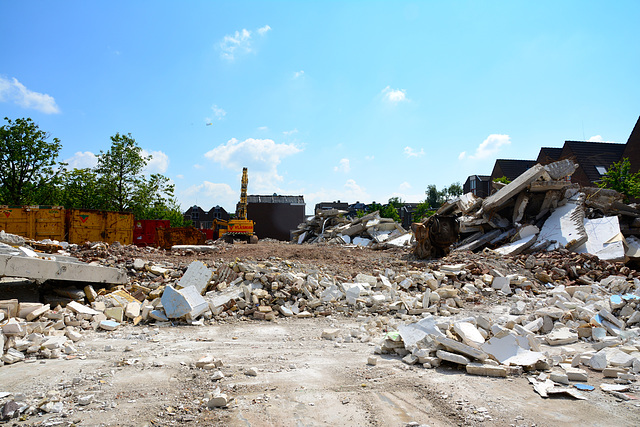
(30, 174)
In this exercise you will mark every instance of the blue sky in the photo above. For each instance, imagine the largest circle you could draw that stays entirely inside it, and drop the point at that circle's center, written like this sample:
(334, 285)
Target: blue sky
(357, 101)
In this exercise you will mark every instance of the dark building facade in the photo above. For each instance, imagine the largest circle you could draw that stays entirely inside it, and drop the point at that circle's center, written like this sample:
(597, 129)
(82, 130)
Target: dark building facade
(204, 220)
(479, 185)
(275, 216)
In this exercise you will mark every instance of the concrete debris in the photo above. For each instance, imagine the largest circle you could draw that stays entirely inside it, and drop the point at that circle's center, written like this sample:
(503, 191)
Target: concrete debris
(332, 226)
(569, 316)
(542, 211)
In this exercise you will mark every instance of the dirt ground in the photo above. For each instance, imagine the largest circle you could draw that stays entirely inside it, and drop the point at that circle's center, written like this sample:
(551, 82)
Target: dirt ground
(146, 375)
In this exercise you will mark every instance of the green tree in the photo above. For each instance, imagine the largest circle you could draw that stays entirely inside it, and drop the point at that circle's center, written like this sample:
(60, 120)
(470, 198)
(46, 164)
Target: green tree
(120, 172)
(155, 200)
(620, 178)
(422, 211)
(454, 190)
(81, 190)
(390, 210)
(502, 179)
(28, 166)
(434, 197)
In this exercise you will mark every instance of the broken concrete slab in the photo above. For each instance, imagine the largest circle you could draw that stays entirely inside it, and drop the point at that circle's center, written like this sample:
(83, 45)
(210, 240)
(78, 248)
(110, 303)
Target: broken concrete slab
(52, 269)
(461, 348)
(516, 247)
(486, 370)
(508, 351)
(565, 226)
(184, 302)
(198, 275)
(512, 189)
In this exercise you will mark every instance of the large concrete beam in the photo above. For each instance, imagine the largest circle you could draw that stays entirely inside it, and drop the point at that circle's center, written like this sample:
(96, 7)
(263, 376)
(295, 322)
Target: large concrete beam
(495, 201)
(46, 269)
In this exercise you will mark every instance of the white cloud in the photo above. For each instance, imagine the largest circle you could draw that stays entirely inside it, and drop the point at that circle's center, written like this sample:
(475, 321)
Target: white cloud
(82, 160)
(394, 95)
(404, 186)
(197, 166)
(261, 156)
(298, 74)
(159, 161)
(290, 132)
(369, 157)
(489, 147)
(263, 128)
(180, 176)
(14, 91)
(209, 194)
(596, 138)
(263, 30)
(218, 113)
(344, 166)
(239, 43)
(410, 152)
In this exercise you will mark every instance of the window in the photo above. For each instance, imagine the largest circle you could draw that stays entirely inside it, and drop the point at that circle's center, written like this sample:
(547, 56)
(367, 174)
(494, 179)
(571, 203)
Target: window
(601, 170)
(195, 216)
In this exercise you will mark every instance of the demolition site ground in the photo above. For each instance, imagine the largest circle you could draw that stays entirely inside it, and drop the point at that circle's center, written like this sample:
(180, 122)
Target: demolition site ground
(147, 375)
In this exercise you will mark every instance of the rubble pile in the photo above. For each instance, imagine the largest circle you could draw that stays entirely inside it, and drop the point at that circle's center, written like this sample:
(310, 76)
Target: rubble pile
(556, 315)
(542, 210)
(371, 230)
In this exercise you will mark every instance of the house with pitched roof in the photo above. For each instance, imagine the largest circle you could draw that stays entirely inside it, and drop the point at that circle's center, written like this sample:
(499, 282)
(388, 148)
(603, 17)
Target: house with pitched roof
(510, 168)
(479, 185)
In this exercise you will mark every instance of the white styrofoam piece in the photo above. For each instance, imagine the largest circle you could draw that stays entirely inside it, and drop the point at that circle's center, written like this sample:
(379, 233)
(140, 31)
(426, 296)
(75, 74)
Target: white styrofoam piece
(565, 226)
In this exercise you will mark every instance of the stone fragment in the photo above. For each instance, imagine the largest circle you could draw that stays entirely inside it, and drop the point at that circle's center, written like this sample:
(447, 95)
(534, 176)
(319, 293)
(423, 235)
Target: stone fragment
(452, 357)
(109, 325)
(330, 334)
(158, 315)
(184, 302)
(461, 348)
(372, 360)
(12, 356)
(218, 401)
(115, 313)
(486, 370)
(251, 372)
(577, 374)
(90, 293)
(197, 275)
(469, 334)
(85, 400)
(132, 310)
(38, 312)
(78, 308)
(598, 361)
(561, 336)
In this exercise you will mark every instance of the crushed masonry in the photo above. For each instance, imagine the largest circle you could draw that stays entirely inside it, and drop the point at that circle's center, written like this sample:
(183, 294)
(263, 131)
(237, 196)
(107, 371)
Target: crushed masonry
(563, 317)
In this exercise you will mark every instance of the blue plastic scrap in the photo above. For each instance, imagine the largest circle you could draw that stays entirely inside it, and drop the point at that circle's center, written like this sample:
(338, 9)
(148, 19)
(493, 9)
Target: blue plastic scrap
(584, 387)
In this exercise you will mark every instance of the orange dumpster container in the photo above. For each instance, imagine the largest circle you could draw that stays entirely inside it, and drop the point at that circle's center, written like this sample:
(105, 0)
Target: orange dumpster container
(33, 222)
(99, 226)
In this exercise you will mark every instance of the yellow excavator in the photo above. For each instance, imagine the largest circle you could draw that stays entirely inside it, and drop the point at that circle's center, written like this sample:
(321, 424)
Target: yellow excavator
(239, 228)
